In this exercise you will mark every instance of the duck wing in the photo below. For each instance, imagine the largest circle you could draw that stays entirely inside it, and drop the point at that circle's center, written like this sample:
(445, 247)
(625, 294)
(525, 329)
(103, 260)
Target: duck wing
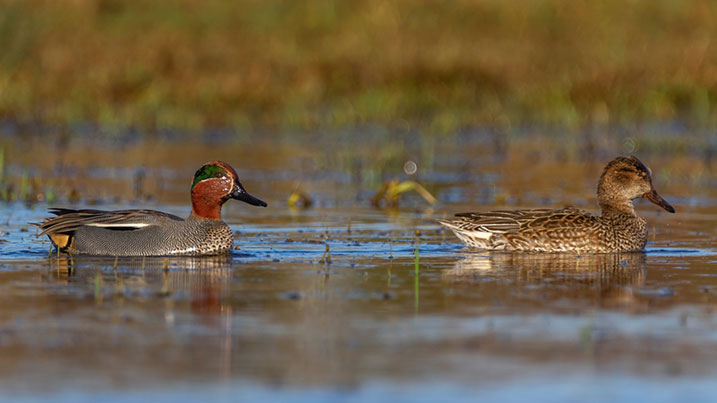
(498, 222)
(69, 220)
(488, 223)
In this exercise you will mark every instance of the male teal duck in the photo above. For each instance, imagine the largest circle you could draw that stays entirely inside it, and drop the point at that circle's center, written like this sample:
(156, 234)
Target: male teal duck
(154, 233)
(617, 229)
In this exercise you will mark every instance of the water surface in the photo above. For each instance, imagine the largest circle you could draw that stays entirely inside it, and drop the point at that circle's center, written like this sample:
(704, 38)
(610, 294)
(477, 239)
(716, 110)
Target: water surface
(397, 309)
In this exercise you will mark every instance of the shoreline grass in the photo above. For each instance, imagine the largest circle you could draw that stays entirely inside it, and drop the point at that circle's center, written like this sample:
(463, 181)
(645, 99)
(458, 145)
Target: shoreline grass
(192, 65)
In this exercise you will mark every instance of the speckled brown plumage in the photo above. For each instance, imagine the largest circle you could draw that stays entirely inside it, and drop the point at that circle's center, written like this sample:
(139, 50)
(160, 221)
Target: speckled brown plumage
(618, 228)
(150, 232)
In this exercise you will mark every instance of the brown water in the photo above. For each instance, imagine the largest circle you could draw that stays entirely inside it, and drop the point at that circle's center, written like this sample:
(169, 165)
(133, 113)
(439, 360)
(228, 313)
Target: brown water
(380, 321)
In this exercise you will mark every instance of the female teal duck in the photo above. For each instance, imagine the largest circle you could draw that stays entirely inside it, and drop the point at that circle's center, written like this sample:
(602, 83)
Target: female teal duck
(154, 233)
(617, 229)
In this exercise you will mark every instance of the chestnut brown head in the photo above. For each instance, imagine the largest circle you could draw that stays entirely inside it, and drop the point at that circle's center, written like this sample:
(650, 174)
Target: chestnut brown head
(215, 183)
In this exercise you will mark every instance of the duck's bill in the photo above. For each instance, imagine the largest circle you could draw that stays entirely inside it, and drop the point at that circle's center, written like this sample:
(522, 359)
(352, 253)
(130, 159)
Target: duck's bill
(654, 197)
(240, 194)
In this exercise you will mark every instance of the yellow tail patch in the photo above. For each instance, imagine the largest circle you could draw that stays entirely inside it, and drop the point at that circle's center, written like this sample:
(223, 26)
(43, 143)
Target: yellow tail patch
(62, 241)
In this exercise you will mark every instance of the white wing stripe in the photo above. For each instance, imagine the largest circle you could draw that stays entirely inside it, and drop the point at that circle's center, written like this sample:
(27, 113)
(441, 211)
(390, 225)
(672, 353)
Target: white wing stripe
(127, 225)
(480, 234)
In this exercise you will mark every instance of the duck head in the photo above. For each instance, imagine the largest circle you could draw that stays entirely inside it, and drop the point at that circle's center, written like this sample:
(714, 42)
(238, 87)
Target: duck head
(625, 179)
(215, 183)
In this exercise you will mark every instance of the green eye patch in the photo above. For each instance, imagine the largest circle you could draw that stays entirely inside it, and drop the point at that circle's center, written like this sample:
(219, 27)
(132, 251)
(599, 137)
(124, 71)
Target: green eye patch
(208, 171)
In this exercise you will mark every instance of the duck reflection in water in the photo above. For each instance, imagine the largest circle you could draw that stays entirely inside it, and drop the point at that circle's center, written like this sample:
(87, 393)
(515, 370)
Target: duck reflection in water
(607, 277)
(206, 280)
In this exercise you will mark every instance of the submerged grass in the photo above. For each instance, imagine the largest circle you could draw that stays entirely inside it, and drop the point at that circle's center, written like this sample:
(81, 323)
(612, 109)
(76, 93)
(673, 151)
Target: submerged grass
(392, 190)
(188, 64)
(25, 188)
(416, 273)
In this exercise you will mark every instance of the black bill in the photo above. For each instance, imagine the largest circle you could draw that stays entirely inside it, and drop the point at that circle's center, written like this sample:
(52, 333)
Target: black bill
(239, 193)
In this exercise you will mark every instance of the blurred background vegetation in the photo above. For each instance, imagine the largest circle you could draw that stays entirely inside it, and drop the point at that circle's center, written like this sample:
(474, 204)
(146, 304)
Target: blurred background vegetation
(442, 65)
